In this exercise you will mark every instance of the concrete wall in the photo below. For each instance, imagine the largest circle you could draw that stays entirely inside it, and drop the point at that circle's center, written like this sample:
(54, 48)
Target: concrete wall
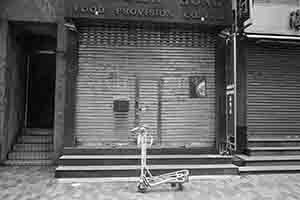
(32, 10)
(3, 87)
(15, 83)
(41, 11)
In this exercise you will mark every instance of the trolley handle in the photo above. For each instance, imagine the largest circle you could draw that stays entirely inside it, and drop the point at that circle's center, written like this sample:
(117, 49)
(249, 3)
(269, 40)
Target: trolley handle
(139, 128)
(136, 129)
(141, 131)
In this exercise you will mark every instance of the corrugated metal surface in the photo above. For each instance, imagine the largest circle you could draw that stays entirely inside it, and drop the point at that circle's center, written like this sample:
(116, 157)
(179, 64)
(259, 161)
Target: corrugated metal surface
(148, 98)
(274, 91)
(144, 63)
(187, 121)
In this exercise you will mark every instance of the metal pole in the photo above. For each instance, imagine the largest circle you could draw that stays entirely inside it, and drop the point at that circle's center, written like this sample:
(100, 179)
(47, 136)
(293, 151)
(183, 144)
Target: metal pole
(144, 150)
(235, 89)
(235, 75)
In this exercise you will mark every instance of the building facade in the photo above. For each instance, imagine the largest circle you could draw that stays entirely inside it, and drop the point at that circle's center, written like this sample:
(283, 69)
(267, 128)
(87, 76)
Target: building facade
(77, 76)
(272, 67)
(84, 73)
(269, 81)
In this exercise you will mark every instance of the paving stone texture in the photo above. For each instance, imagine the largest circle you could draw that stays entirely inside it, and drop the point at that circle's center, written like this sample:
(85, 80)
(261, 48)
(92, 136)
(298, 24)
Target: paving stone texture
(30, 183)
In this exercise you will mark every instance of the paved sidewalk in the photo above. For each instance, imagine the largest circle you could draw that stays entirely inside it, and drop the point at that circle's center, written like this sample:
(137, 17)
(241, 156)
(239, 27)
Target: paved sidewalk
(26, 183)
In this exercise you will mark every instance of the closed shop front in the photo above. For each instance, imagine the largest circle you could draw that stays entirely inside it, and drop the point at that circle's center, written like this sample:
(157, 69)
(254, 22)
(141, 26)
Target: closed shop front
(115, 65)
(273, 90)
(140, 73)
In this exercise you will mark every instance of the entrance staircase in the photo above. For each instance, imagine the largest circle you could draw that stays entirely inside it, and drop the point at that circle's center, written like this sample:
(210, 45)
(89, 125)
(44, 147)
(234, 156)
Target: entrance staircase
(270, 155)
(125, 162)
(33, 147)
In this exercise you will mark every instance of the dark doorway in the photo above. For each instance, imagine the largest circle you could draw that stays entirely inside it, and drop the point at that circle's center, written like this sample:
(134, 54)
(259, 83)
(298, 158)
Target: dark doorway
(32, 50)
(40, 90)
(39, 44)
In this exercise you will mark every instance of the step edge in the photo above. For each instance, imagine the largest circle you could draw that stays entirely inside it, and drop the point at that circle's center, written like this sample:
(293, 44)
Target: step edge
(28, 152)
(267, 158)
(273, 139)
(137, 167)
(136, 178)
(270, 168)
(174, 156)
(43, 136)
(28, 160)
(132, 148)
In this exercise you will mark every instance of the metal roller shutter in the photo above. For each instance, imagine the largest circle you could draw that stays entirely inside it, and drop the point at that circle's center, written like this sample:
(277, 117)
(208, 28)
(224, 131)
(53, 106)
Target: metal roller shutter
(273, 91)
(149, 64)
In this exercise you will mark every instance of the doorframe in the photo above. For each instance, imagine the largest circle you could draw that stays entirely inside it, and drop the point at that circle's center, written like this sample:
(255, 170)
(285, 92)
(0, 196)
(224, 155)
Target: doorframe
(60, 90)
(220, 112)
(28, 60)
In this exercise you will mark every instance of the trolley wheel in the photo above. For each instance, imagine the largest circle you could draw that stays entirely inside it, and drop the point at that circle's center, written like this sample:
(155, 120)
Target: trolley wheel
(179, 186)
(141, 188)
(173, 185)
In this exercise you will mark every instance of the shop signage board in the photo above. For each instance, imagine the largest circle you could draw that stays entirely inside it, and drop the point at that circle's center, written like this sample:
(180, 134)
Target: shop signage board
(275, 18)
(207, 12)
(294, 21)
(243, 11)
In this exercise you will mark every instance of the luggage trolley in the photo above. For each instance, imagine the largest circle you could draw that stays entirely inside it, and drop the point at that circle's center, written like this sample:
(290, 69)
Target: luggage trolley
(147, 180)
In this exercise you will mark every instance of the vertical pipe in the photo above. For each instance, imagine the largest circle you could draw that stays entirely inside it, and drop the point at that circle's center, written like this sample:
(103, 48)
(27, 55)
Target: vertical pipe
(235, 89)
(143, 150)
(235, 73)
(159, 136)
(137, 101)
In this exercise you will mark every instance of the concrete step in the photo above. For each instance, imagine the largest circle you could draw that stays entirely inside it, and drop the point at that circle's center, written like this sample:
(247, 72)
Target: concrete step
(30, 156)
(264, 151)
(29, 139)
(134, 170)
(269, 169)
(273, 142)
(134, 150)
(78, 160)
(272, 160)
(33, 147)
(38, 131)
(28, 162)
